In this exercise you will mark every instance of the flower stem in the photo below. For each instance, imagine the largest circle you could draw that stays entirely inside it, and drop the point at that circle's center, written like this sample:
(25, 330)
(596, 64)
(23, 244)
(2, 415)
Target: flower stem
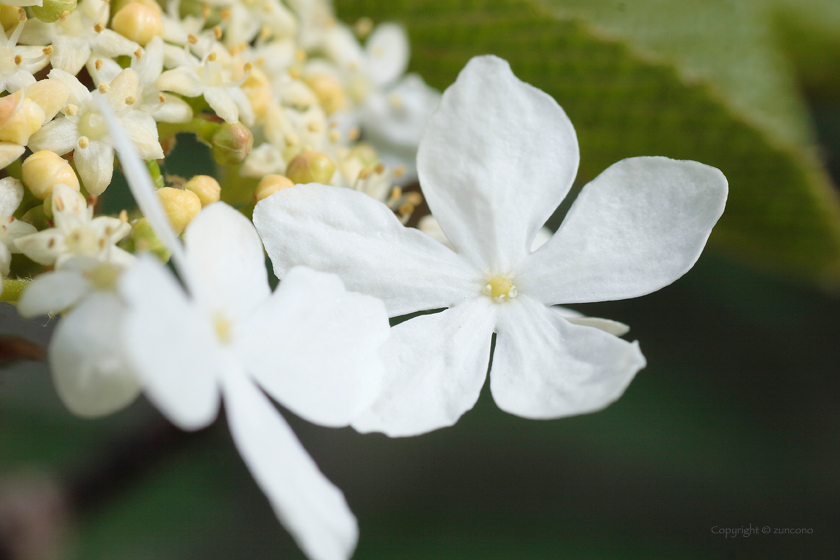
(12, 289)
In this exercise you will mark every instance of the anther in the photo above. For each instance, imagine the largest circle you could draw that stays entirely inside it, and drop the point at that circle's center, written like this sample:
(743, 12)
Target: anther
(248, 67)
(224, 14)
(217, 32)
(98, 27)
(70, 110)
(314, 126)
(84, 142)
(130, 100)
(64, 15)
(380, 168)
(138, 53)
(101, 242)
(291, 139)
(47, 50)
(353, 134)
(98, 64)
(193, 40)
(211, 57)
(21, 15)
(364, 174)
(123, 216)
(300, 55)
(399, 171)
(162, 98)
(103, 87)
(18, 59)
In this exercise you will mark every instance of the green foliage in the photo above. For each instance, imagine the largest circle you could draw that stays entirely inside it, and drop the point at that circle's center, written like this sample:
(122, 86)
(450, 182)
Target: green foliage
(627, 98)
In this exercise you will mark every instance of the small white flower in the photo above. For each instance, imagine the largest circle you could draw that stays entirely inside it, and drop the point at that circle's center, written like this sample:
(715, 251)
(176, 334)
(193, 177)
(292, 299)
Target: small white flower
(83, 128)
(212, 78)
(311, 345)
(248, 18)
(18, 62)
(496, 160)
(11, 194)
(76, 233)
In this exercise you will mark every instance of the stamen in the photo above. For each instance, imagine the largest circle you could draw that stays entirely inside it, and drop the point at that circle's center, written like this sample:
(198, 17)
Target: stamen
(130, 100)
(98, 64)
(18, 59)
(300, 55)
(399, 171)
(217, 32)
(64, 15)
(162, 98)
(104, 87)
(248, 67)
(205, 11)
(294, 73)
(314, 126)
(380, 168)
(353, 134)
(70, 110)
(48, 50)
(84, 142)
(224, 14)
(138, 53)
(364, 174)
(98, 27)
(21, 15)
(500, 289)
(211, 57)
(192, 39)
(123, 216)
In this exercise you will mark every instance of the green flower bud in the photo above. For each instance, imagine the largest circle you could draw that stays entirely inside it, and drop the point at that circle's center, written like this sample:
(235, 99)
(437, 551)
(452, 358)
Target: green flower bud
(232, 143)
(310, 167)
(52, 9)
(144, 240)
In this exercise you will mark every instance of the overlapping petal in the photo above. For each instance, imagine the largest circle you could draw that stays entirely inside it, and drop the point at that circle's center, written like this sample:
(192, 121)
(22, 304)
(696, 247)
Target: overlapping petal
(349, 233)
(636, 228)
(95, 165)
(52, 292)
(546, 367)
(315, 347)
(495, 161)
(436, 367)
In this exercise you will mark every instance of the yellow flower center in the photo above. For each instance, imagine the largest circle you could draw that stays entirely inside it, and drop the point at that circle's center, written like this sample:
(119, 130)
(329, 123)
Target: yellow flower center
(92, 125)
(499, 289)
(222, 327)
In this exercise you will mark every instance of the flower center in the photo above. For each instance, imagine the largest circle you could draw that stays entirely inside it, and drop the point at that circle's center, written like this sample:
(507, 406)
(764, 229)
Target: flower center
(104, 276)
(499, 289)
(222, 327)
(83, 241)
(92, 125)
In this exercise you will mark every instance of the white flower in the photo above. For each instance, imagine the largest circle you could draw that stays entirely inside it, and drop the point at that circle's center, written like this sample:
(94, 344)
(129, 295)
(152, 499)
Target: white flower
(11, 194)
(83, 128)
(18, 62)
(311, 345)
(76, 232)
(212, 78)
(248, 18)
(80, 38)
(495, 161)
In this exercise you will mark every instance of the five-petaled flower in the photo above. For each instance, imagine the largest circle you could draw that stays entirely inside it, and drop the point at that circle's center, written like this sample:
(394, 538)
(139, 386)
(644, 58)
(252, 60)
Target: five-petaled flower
(495, 161)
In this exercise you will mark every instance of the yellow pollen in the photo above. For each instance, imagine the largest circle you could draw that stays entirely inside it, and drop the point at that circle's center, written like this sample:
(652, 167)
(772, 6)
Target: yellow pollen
(248, 67)
(380, 168)
(294, 73)
(406, 209)
(499, 289)
(205, 11)
(353, 134)
(123, 216)
(364, 174)
(217, 32)
(98, 27)
(21, 14)
(103, 87)
(261, 61)
(18, 59)
(64, 15)
(414, 198)
(70, 110)
(130, 100)
(265, 33)
(224, 14)
(300, 55)
(48, 49)
(396, 193)
(192, 39)
(101, 242)
(138, 53)
(399, 171)
(98, 64)
(211, 57)
(83, 142)
(162, 98)
(222, 328)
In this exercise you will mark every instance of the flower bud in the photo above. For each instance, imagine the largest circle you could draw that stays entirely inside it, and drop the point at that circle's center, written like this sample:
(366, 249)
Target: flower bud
(51, 10)
(205, 187)
(310, 167)
(329, 91)
(146, 241)
(9, 16)
(270, 184)
(20, 120)
(232, 143)
(181, 206)
(138, 22)
(44, 169)
(50, 94)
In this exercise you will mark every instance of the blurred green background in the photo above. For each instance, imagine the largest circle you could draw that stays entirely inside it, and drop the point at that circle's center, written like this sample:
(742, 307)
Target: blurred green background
(734, 423)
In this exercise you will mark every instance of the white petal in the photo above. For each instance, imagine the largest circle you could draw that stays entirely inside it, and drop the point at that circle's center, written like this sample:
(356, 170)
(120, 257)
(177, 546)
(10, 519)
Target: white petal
(246, 112)
(112, 229)
(606, 325)
(43, 247)
(69, 208)
(314, 347)
(79, 94)
(12, 230)
(220, 101)
(112, 44)
(9, 152)
(11, 193)
(309, 506)
(181, 80)
(170, 345)
(546, 367)
(52, 292)
(388, 52)
(95, 165)
(150, 65)
(174, 110)
(436, 365)
(496, 160)
(108, 70)
(142, 130)
(69, 53)
(58, 136)
(225, 250)
(89, 370)
(349, 233)
(636, 228)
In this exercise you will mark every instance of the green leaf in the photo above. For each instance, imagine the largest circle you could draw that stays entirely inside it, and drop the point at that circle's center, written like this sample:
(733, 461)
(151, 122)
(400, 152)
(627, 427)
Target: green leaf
(625, 101)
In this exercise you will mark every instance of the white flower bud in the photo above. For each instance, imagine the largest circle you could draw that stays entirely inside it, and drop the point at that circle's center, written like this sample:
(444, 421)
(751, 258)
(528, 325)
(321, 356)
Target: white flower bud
(138, 22)
(181, 206)
(310, 167)
(205, 187)
(43, 170)
(19, 119)
(270, 184)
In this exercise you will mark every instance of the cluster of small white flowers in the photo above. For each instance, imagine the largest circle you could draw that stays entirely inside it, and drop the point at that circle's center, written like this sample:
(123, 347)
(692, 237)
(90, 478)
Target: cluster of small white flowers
(320, 123)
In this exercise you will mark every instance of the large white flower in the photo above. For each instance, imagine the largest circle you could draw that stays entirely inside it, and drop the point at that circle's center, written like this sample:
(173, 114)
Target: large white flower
(495, 161)
(311, 345)
(83, 129)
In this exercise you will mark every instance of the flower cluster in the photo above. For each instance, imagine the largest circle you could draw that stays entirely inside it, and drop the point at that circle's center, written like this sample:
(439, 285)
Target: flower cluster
(317, 127)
